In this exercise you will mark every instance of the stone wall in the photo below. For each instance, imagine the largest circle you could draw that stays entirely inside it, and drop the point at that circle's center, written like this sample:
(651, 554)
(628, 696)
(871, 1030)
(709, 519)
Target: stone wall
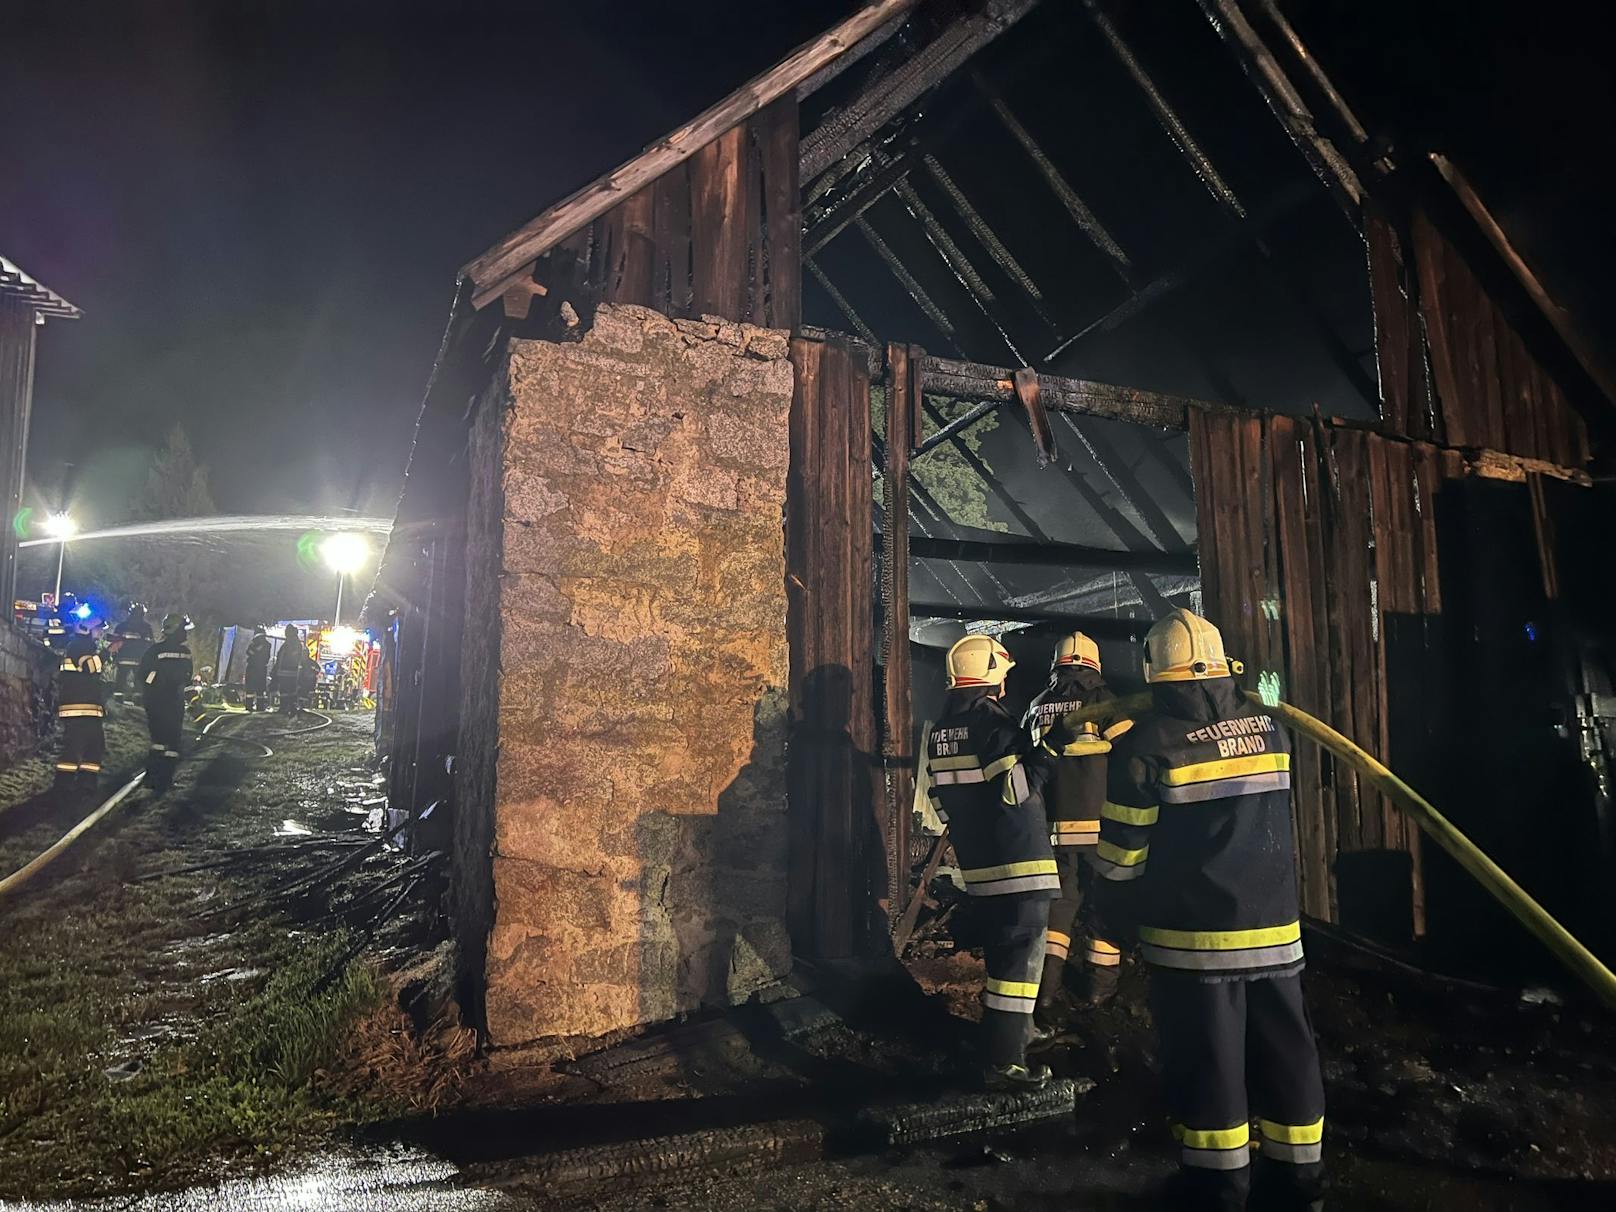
(638, 798)
(26, 670)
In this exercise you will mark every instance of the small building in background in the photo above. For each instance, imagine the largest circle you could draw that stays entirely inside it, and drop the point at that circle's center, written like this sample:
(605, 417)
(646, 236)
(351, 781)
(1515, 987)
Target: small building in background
(25, 671)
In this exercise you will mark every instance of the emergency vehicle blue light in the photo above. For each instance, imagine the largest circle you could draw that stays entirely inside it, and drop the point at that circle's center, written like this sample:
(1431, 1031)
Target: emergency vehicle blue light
(1531, 633)
(83, 611)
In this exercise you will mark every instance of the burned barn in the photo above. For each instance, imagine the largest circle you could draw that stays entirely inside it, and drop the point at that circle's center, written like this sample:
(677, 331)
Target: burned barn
(915, 332)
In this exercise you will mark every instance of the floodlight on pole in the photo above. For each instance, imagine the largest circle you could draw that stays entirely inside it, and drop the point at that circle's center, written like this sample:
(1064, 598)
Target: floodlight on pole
(344, 554)
(61, 528)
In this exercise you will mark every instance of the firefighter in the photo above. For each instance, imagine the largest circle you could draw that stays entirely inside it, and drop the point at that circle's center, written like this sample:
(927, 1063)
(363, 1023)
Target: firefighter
(289, 663)
(132, 638)
(1195, 850)
(258, 668)
(81, 707)
(63, 623)
(165, 675)
(1076, 790)
(985, 785)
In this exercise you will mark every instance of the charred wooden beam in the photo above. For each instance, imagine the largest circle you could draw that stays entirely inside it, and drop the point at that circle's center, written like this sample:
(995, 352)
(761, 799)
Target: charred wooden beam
(1054, 555)
(959, 425)
(855, 54)
(893, 93)
(1043, 437)
(1592, 364)
(910, 283)
(510, 257)
(842, 304)
(1165, 115)
(1099, 626)
(1286, 104)
(1311, 65)
(1088, 223)
(1211, 253)
(975, 381)
(984, 234)
(1116, 469)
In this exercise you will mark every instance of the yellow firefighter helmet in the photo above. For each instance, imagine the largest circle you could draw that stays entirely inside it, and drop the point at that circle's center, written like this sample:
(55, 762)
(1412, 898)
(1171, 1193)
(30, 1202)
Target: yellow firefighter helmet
(977, 660)
(1184, 647)
(1077, 649)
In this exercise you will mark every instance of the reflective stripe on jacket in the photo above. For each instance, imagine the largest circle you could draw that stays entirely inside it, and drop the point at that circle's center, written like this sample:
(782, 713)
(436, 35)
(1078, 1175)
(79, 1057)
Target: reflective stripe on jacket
(986, 785)
(1077, 753)
(1197, 826)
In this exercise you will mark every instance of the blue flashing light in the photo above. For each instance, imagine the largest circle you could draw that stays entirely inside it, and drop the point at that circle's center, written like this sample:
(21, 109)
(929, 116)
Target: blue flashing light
(83, 611)
(1531, 633)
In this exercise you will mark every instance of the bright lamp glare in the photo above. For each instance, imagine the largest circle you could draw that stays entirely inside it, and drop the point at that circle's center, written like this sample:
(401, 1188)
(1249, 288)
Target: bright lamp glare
(341, 641)
(60, 526)
(345, 553)
(83, 610)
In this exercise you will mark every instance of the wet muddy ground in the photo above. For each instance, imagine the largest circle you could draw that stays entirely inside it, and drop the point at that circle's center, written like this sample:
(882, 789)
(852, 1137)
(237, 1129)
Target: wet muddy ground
(1442, 1095)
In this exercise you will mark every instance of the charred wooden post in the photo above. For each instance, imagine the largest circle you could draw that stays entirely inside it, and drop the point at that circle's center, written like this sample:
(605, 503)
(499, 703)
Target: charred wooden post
(1025, 382)
(903, 424)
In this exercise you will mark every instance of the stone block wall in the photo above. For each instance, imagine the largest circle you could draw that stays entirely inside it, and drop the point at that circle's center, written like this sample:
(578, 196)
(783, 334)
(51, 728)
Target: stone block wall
(26, 670)
(636, 805)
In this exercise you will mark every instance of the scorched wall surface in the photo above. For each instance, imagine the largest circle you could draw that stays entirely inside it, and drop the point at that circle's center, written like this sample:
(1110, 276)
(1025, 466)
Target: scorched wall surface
(639, 842)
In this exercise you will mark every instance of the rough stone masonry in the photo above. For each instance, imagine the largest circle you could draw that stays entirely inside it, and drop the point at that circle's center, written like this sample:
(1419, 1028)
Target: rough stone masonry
(638, 840)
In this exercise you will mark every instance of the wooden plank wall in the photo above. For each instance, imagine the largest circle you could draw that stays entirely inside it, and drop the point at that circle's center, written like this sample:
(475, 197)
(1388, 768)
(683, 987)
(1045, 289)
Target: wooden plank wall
(718, 234)
(1318, 546)
(17, 333)
(1453, 369)
(837, 870)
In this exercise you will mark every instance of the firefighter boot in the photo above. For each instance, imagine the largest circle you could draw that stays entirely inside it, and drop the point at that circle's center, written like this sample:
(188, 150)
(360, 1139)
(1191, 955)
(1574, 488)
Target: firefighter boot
(1016, 1077)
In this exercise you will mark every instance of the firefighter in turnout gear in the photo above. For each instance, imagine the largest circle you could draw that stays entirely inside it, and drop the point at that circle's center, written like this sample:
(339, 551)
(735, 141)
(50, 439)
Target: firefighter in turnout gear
(132, 638)
(1072, 799)
(1195, 850)
(81, 707)
(258, 669)
(985, 785)
(165, 673)
(289, 662)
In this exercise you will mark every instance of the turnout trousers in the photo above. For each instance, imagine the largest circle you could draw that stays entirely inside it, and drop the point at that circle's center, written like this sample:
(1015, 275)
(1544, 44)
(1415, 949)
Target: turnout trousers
(1013, 930)
(1232, 1050)
(165, 720)
(84, 746)
(1101, 960)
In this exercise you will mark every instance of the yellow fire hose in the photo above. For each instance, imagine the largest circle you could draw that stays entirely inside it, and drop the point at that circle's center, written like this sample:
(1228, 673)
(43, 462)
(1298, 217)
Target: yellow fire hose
(1584, 964)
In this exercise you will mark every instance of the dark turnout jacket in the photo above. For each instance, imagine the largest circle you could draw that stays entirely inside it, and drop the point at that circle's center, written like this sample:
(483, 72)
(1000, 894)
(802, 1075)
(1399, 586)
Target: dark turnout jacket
(166, 667)
(80, 690)
(986, 784)
(289, 663)
(258, 663)
(1195, 838)
(1077, 753)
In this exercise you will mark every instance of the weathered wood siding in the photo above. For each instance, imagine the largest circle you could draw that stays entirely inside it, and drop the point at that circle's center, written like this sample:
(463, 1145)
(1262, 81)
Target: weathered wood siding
(1318, 549)
(716, 235)
(1453, 368)
(837, 857)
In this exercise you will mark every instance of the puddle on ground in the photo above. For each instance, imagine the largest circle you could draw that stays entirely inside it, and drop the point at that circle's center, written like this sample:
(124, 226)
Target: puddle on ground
(291, 828)
(387, 1180)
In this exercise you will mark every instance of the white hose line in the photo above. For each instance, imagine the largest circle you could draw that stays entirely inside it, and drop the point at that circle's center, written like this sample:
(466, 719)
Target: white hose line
(23, 874)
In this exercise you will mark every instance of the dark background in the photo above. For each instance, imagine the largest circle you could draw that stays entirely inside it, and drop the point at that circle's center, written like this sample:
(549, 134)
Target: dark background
(261, 204)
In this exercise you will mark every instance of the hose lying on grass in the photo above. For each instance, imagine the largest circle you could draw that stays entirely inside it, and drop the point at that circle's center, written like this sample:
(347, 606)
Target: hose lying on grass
(1582, 963)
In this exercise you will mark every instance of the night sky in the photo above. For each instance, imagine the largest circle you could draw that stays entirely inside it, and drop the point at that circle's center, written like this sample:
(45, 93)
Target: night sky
(261, 204)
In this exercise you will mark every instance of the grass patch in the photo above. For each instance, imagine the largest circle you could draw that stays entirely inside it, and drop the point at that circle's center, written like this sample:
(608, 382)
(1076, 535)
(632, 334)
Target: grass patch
(240, 1086)
(143, 1045)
